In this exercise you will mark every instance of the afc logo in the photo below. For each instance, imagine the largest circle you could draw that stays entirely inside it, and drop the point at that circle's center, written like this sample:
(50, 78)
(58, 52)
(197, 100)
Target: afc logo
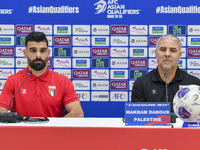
(119, 96)
(83, 96)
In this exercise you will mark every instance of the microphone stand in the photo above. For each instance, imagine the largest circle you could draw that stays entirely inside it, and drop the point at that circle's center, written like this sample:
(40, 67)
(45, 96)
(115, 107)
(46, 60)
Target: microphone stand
(172, 114)
(10, 117)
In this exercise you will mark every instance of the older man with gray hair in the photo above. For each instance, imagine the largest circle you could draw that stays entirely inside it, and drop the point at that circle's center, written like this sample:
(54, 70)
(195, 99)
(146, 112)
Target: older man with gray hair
(152, 86)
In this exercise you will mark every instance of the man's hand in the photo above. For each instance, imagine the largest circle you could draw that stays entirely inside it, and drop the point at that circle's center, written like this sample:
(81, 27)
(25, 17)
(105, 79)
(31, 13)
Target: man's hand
(2, 109)
(74, 109)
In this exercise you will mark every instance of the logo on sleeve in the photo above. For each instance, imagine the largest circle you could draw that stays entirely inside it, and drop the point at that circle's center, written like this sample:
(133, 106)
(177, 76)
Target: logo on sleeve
(52, 90)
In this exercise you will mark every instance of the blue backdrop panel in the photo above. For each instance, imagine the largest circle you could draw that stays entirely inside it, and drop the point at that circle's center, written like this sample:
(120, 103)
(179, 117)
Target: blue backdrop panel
(105, 95)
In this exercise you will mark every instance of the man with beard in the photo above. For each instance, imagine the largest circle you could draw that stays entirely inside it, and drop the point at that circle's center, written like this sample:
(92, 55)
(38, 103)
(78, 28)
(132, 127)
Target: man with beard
(45, 93)
(151, 87)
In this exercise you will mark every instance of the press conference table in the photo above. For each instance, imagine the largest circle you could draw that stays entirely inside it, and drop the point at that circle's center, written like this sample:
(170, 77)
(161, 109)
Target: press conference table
(96, 134)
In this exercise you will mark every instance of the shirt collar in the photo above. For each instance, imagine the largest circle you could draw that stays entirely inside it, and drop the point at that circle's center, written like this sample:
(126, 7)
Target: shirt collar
(156, 76)
(32, 77)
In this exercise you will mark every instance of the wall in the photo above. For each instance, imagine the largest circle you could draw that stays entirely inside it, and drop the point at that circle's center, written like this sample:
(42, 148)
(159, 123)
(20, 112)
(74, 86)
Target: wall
(102, 46)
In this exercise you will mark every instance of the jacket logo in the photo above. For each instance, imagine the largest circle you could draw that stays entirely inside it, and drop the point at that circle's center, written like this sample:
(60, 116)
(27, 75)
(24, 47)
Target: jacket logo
(24, 91)
(52, 90)
(154, 91)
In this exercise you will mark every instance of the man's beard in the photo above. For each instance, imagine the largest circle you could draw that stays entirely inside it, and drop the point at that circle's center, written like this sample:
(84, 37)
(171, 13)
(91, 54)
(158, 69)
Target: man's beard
(37, 66)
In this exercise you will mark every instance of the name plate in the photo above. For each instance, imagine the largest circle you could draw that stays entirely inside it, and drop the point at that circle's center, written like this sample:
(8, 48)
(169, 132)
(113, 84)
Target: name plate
(191, 125)
(147, 114)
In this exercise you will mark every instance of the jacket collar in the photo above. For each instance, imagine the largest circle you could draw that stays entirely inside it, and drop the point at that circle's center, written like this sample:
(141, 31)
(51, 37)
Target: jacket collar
(156, 76)
(32, 77)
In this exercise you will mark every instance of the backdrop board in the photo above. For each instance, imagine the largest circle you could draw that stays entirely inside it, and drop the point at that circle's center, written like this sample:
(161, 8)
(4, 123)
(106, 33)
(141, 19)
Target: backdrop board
(101, 45)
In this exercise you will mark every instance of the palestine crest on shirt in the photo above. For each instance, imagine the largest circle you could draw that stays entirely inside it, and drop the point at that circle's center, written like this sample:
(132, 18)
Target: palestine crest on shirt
(52, 90)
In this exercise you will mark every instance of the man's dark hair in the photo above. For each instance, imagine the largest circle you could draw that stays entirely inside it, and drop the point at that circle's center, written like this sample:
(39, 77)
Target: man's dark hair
(36, 37)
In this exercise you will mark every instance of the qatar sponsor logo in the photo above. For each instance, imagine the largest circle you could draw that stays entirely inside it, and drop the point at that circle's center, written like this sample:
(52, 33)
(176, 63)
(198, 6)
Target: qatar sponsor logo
(138, 63)
(119, 52)
(81, 40)
(153, 40)
(138, 29)
(62, 62)
(62, 40)
(6, 51)
(100, 52)
(99, 74)
(46, 29)
(119, 85)
(193, 52)
(119, 29)
(81, 74)
(24, 29)
(5, 73)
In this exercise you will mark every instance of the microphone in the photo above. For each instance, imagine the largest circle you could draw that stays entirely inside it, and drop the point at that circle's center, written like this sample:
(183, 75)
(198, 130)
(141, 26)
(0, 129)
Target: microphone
(166, 75)
(172, 114)
(10, 117)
